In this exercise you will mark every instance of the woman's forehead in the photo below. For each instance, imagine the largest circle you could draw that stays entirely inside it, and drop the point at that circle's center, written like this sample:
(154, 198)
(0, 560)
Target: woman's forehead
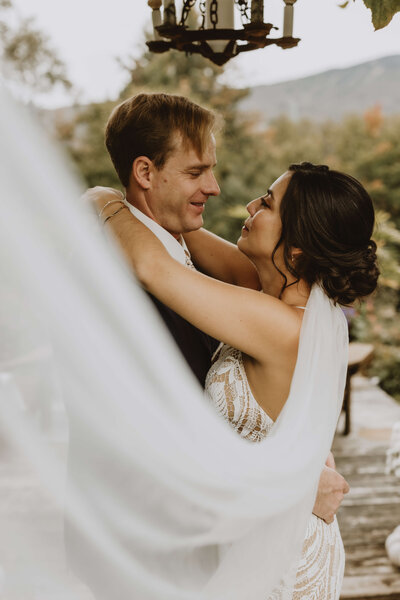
(278, 188)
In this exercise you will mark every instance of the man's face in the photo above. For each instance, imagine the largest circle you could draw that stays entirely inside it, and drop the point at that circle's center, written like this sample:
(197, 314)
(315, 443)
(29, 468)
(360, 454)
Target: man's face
(180, 189)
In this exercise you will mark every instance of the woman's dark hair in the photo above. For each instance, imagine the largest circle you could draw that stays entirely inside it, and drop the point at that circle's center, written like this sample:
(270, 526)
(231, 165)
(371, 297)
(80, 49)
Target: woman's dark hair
(329, 216)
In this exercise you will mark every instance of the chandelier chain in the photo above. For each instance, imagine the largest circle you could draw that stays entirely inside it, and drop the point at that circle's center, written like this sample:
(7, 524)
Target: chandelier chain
(202, 7)
(244, 8)
(214, 13)
(187, 5)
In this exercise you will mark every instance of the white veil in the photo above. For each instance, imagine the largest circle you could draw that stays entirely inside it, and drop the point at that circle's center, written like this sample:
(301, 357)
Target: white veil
(164, 501)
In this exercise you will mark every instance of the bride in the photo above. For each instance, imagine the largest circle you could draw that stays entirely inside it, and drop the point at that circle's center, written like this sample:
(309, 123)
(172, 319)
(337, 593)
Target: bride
(308, 236)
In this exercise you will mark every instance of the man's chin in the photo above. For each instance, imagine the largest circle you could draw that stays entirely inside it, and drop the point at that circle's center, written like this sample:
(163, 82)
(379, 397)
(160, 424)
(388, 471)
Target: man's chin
(193, 225)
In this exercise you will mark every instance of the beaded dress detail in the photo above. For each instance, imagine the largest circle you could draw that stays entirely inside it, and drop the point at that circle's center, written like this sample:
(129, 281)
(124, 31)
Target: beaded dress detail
(319, 573)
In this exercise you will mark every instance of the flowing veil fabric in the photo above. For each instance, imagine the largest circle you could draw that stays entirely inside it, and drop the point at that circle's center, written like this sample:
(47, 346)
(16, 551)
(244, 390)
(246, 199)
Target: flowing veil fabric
(117, 479)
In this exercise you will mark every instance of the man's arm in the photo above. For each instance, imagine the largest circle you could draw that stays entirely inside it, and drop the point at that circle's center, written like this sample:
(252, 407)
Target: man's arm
(220, 259)
(331, 490)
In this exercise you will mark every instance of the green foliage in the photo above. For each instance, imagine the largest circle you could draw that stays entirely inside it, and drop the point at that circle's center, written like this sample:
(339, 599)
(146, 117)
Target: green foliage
(387, 236)
(382, 11)
(84, 138)
(174, 72)
(28, 59)
(386, 366)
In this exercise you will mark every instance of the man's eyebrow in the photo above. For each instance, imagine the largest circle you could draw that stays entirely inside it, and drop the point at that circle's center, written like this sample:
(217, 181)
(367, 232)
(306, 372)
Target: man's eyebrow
(200, 167)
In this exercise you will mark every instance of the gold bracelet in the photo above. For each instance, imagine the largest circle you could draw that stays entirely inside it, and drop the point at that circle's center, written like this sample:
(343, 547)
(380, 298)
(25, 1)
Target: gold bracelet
(114, 213)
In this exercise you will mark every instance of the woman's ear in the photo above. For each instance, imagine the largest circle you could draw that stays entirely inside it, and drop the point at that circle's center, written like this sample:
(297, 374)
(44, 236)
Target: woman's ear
(141, 170)
(295, 253)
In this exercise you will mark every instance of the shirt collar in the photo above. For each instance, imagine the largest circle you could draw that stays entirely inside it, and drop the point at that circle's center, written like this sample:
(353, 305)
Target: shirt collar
(177, 249)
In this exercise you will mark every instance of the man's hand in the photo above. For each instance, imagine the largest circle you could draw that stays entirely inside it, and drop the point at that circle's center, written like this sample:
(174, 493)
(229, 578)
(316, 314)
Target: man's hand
(331, 489)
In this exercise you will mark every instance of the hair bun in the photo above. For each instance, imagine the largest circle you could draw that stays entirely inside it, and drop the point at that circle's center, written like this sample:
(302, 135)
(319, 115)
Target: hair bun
(345, 285)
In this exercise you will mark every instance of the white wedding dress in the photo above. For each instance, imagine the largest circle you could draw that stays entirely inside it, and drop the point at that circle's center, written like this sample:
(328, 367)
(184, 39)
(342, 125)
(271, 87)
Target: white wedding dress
(319, 572)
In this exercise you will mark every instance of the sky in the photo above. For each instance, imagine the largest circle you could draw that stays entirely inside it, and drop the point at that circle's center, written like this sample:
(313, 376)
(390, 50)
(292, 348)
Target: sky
(90, 35)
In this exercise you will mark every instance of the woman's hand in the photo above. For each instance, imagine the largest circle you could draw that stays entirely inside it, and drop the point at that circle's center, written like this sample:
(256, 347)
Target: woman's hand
(331, 490)
(98, 196)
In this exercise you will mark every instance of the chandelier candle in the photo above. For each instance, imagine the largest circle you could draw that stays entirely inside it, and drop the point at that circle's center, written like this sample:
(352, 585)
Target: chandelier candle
(155, 5)
(257, 11)
(169, 12)
(288, 18)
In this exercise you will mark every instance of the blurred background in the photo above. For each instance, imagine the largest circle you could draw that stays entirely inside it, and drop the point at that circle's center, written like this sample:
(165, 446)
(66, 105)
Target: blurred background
(335, 99)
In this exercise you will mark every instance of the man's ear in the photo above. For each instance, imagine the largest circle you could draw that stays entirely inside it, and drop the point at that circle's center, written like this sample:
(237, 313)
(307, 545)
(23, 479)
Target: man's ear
(141, 171)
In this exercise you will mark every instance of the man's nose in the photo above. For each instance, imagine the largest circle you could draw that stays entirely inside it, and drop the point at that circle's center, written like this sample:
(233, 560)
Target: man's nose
(212, 187)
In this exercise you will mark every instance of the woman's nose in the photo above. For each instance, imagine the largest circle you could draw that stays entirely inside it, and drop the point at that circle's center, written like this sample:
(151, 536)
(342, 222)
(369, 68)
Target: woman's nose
(251, 207)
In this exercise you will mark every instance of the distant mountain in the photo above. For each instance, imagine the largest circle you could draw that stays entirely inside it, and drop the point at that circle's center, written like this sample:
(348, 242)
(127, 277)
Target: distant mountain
(332, 94)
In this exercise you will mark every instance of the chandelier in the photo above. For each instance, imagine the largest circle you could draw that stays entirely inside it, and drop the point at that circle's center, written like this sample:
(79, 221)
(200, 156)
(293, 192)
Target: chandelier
(216, 37)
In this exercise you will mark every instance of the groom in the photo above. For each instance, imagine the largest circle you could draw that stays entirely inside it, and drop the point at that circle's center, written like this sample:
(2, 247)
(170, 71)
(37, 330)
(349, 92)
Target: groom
(149, 138)
(163, 149)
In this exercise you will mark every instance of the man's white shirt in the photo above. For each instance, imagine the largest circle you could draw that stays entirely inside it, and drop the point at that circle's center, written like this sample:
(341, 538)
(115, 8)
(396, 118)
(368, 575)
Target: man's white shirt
(176, 248)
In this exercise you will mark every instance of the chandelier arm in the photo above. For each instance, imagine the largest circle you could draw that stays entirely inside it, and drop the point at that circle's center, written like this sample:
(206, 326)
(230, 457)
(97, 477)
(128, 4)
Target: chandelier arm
(199, 35)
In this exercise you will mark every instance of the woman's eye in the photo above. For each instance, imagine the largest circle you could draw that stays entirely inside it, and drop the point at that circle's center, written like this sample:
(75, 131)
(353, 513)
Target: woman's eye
(264, 203)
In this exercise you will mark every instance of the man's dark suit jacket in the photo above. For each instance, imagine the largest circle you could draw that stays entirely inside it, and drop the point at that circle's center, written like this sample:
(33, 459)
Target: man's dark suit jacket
(196, 346)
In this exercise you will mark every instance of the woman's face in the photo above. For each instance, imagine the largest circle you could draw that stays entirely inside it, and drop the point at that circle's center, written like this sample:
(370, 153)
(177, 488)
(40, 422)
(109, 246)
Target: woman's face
(262, 229)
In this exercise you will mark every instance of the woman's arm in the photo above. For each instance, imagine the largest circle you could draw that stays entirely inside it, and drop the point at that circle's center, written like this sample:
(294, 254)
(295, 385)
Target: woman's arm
(221, 259)
(259, 325)
(212, 254)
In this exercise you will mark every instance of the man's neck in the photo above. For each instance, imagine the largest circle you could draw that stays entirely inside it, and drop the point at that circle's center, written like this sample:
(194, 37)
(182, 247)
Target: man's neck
(138, 202)
(141, 204)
